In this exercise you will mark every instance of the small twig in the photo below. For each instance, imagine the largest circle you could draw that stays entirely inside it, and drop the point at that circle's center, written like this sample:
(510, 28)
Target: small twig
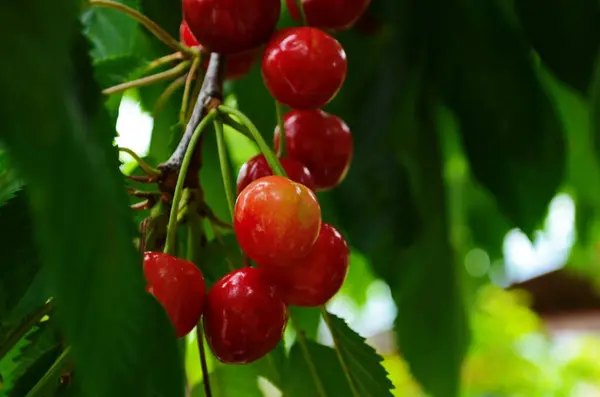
(186, 91)
(148, 80)
(152, 26)
(141, 179)
(166, 94)
(176, 56)
(141, 206)
(147, 168)
(203, 364)
(143, 194)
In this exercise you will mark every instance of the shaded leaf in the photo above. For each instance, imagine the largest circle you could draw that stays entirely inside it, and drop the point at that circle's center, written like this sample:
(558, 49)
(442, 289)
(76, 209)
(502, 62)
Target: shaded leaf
(307, 319)
(82, 221)
(565, 34)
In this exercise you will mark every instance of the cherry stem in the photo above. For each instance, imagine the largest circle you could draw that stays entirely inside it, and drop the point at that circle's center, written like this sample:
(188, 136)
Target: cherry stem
(282, 137)
(147, 168)
(301, 12)
(203, 364)
(50, 377)
(16, 334)
(149, 24)
(148, 80)
(225, 169)
(186, 91)
(270, 156)
(166, 94)
(239, 127)
(309, 361)
(336, 344)
(172, 226)
(158, 62)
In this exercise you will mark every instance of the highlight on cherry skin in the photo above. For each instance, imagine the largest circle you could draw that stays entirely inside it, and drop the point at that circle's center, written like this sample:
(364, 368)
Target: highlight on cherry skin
(276, 220)
(179, 286)
(303, 67)
(258, 167)
(313, 280)
(238, 65)
(244, 317)
(321, 141)
(335, 15)
(231, 26)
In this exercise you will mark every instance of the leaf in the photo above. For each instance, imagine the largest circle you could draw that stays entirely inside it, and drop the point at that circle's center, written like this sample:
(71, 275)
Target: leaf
(565, 34)
(362, 363)
(34, 372)
(511, 132)
(110, 31)
(221, 256)
(60, 138)
(595, 107)
(307, 319)
(10, 183)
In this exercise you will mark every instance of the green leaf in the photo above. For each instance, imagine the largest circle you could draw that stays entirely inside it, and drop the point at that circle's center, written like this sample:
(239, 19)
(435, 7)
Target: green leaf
(10, 183)
(511, 132)
(307, 319)
(59, 137)
(221, 256)
(362, 363)
(34, 372)
(595, 107)
(110, 31)
(565, 34)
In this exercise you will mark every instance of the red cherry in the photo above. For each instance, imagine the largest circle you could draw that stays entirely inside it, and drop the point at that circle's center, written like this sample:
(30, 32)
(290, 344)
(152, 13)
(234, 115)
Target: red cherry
(231, 26)
(276, 220)
(186, 36)
(257, 167)
(329, 14)
(304, 67)
(238, 65)
(244, 317)
(321, 141)
(179, 286)
(313, 280)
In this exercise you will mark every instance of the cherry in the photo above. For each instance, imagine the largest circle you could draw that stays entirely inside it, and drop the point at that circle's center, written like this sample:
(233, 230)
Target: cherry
(321, 141)
(276, 220)
(257, 167)
(244, 317)
(329, 14)
(179, 286)
(238, 65)
(231, 26)
(313, 280)
(304, 67)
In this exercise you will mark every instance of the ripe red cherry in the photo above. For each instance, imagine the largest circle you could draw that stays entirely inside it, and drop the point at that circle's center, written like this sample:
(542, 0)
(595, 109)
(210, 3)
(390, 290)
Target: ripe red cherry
(315, 279)
(276, 220)
(238, 65)
(321, 141)
(329, 14)
(231, 26)
(179, 286)
(257, 167)
(244, 317)
(304, 67)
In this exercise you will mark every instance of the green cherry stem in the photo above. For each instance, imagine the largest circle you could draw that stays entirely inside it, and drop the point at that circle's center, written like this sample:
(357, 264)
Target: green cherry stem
(149, 24)
(50, 377)
(188, 87)
(270, 156)
(147, 168)
(172, 226)
(278, 110)
(203, 364)
(336, 344)
(148, 80)
(166, 94)
(177, 56)
(301, 12)
(225, 168)
(239, 127)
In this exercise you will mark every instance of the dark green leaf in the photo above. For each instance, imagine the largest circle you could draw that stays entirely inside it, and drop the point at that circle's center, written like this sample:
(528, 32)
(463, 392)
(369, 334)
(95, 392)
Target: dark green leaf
(565, 34)
(362, 363)
(595, 107)
(511, 132)
(34, 372)
(110, 31)
(221, 256)
(10, 183)
(58, 134)
(307, 319)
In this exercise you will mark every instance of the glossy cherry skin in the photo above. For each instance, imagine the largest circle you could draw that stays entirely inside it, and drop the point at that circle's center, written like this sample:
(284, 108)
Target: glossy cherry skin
(276, 220)
(179, 286)
(304, 67)
(244, 317)
(329, 14)
(258, 167)
(231, 26)
(238, 65)
(321, 141)
(315, 279)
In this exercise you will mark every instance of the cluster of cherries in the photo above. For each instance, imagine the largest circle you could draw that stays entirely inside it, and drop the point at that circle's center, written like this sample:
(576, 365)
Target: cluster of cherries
(300, 260)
